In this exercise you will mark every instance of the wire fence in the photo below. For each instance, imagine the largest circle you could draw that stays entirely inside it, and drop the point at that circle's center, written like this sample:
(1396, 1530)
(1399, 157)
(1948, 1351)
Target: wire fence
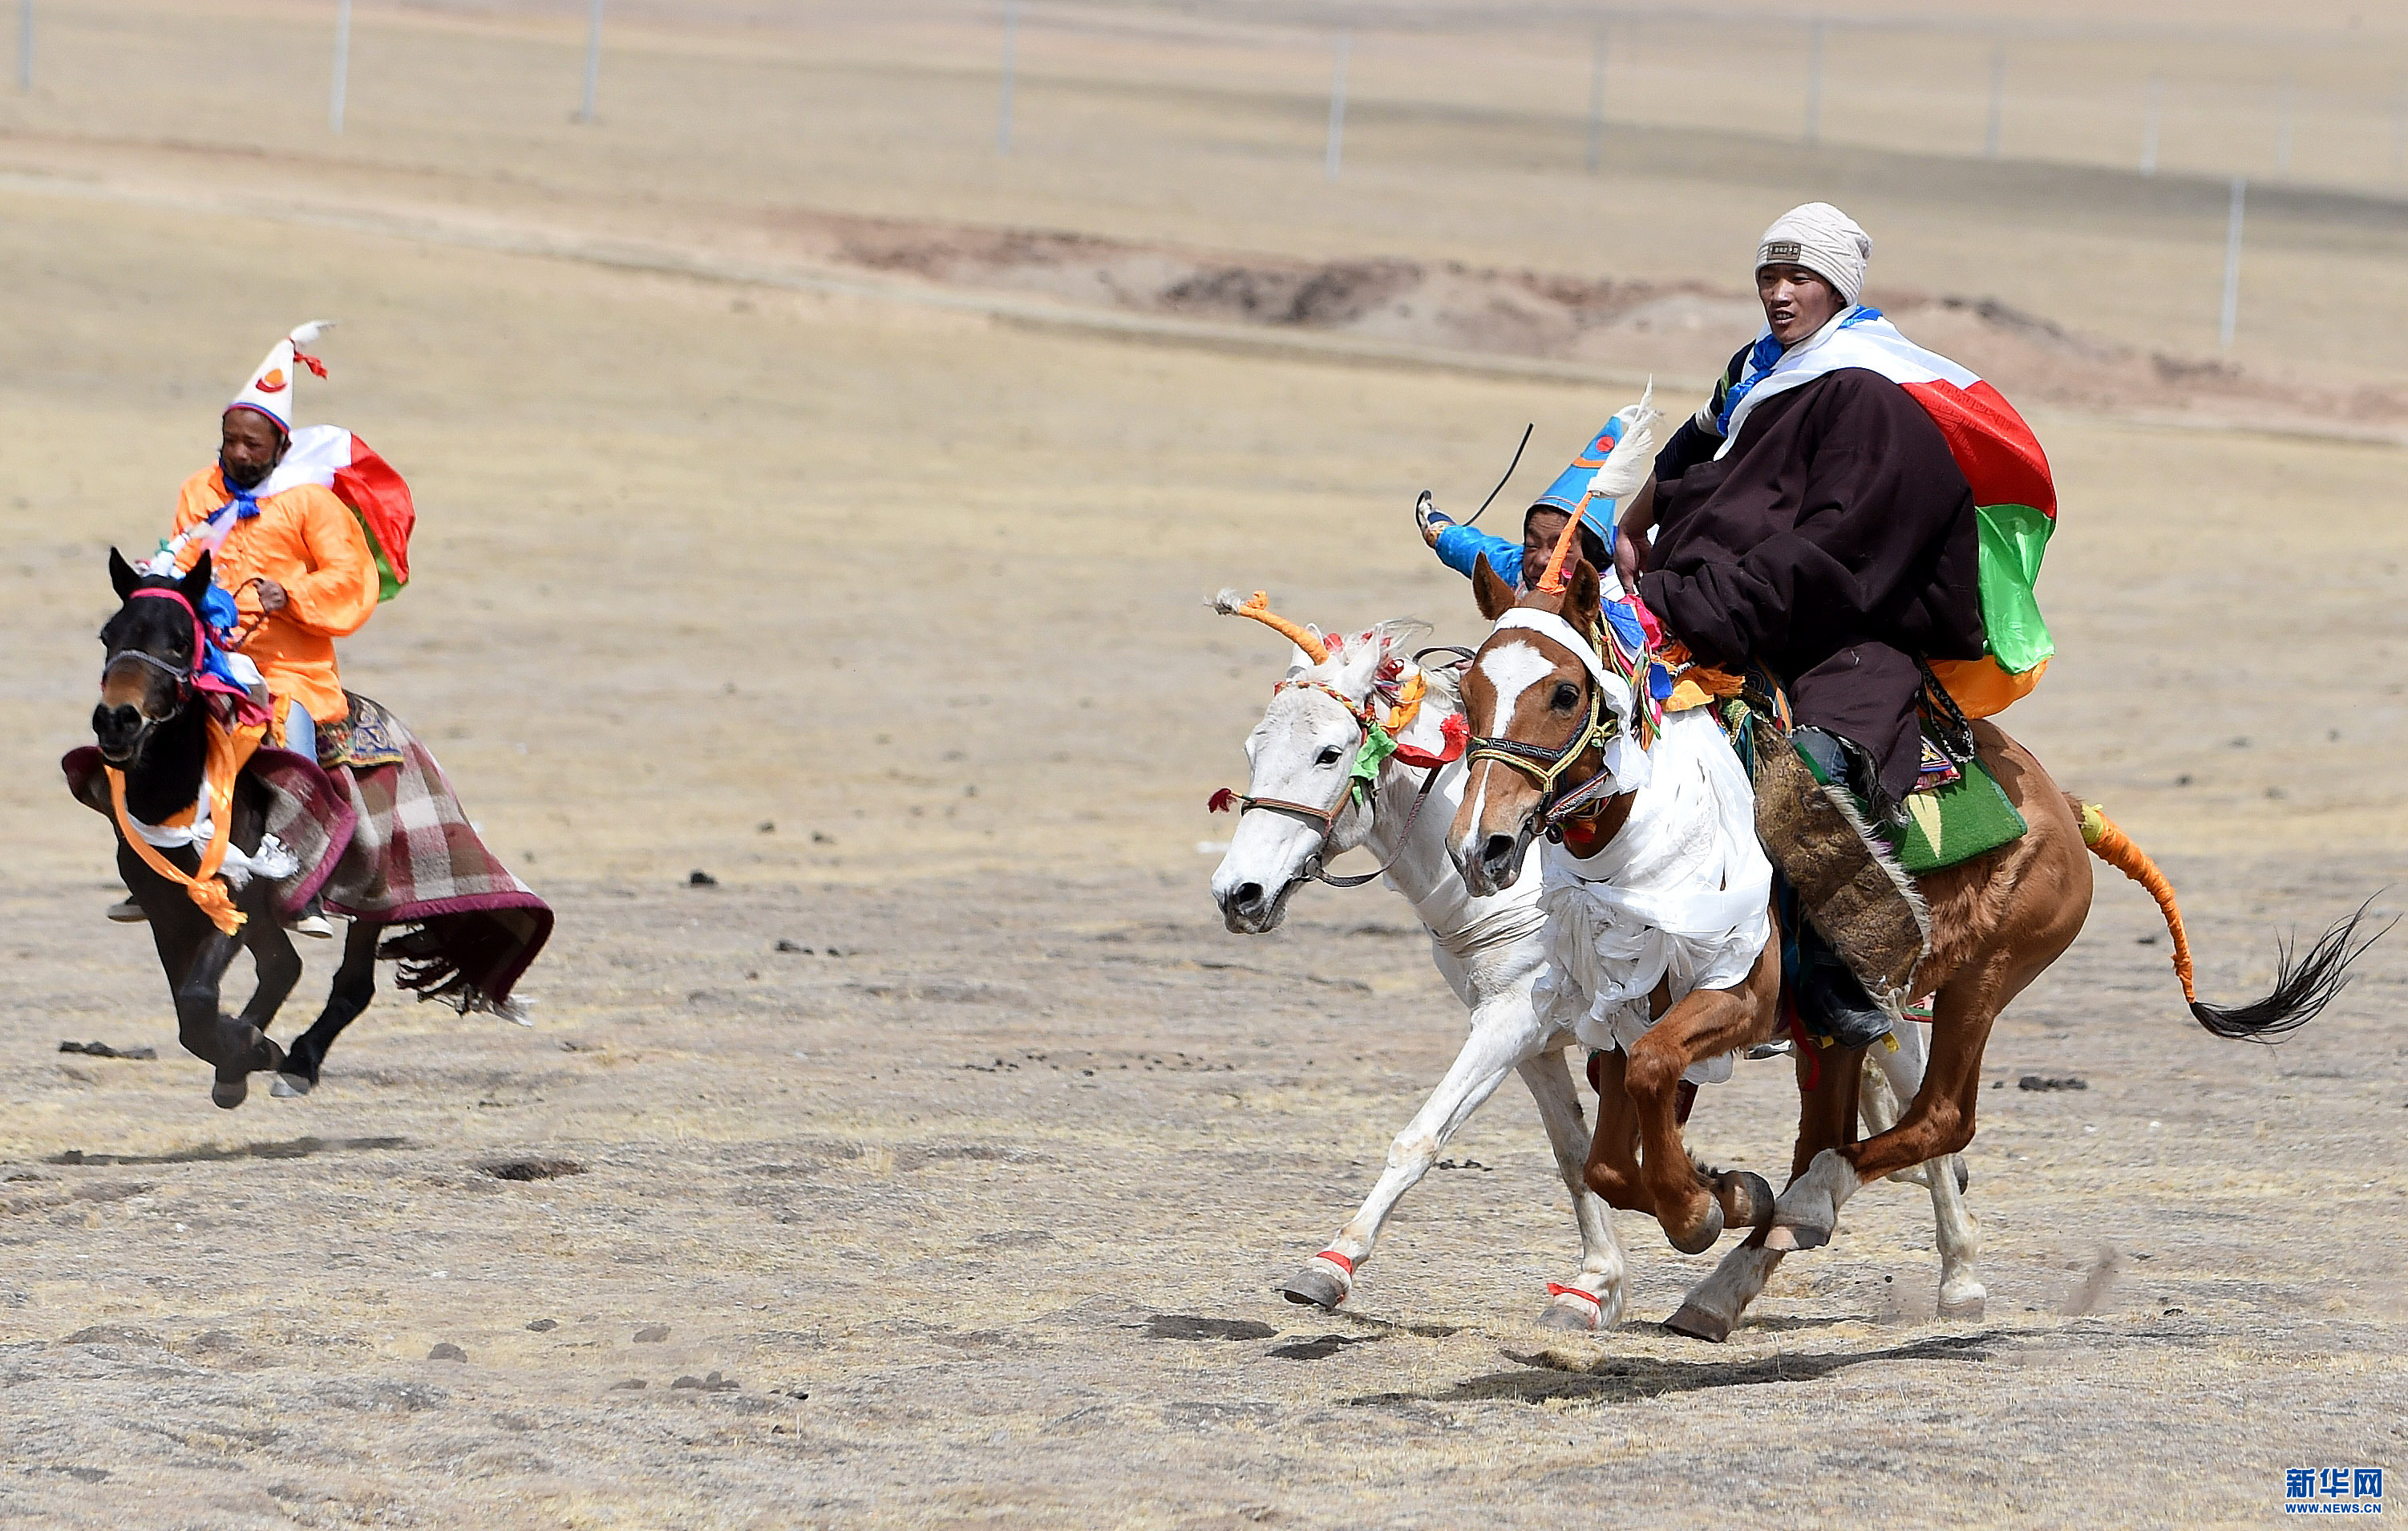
(1533, 91)
(2328, 110)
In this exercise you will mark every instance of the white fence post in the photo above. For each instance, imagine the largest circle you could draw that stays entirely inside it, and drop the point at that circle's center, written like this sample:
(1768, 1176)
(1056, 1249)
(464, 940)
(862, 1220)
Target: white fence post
(2400, 129)
(2149, 134)
(1010, 76)
(2231, 319)
(1814, 85)
(1337, 111)
(341, 89)
(1993, 139)
(2283, 136)
(1597, 103)
(592, 60)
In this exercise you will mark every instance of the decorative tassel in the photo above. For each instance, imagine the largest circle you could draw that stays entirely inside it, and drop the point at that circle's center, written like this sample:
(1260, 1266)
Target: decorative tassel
(1258, 607)
(2114, 847)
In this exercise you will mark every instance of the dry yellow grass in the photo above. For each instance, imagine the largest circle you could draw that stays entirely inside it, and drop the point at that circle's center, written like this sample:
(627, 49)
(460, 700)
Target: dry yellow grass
(701, 556)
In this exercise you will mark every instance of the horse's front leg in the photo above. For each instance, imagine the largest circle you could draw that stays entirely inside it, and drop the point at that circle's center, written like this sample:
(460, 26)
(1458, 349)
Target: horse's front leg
(234, 1044)
(273, 963)
(1828, 1105)
(1504, 1031)
(1593, 1299)
(1704, 1024)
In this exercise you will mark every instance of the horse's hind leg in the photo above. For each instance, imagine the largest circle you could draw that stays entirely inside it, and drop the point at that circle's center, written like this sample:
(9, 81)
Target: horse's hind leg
(354, 986)
(1939, 1120)
(1594, 1299)
(1956, 1231)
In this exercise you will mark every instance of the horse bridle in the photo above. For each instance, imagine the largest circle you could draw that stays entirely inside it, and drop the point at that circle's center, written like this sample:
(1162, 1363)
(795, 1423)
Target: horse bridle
(1328, 818)
(182, 675)
(1547, 766)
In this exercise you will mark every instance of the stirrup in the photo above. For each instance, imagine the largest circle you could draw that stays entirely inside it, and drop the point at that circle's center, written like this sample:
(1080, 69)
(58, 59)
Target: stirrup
(125, 911)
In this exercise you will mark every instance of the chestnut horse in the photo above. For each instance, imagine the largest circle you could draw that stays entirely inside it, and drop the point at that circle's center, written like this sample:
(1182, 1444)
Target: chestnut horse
(1996, 923)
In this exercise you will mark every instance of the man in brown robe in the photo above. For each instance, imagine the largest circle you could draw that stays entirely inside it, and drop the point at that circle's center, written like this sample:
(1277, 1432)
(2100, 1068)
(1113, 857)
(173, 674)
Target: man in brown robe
(1831, 541)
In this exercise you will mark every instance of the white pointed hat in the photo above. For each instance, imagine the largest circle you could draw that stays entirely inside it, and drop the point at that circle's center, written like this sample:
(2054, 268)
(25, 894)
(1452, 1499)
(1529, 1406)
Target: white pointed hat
(270, 389)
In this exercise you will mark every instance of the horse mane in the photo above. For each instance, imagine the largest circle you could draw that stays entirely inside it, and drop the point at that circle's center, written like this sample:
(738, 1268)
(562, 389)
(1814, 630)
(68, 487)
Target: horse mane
(1397, 638)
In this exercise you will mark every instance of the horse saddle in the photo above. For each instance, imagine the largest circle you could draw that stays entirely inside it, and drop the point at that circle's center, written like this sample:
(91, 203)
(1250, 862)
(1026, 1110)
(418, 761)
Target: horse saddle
(1853, 879)
(366, 738)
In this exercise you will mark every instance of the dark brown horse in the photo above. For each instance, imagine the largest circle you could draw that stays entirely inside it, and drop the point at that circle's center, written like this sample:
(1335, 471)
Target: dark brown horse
(1996, 923)
(151, 726)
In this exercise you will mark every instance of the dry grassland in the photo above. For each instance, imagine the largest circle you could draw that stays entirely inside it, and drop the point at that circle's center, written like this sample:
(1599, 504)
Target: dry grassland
(884, 611)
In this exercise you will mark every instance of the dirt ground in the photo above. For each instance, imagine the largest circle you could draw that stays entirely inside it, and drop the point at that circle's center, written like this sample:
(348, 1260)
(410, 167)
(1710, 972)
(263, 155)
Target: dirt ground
(939, 1162)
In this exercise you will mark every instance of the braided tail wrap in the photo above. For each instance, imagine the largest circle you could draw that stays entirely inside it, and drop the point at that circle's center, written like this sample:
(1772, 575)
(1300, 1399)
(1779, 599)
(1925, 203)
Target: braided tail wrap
(2116, 848)
(2304, 983)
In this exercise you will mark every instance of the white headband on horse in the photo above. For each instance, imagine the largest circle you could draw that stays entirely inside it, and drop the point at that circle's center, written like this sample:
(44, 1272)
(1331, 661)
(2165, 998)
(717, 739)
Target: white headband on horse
(1626, 761)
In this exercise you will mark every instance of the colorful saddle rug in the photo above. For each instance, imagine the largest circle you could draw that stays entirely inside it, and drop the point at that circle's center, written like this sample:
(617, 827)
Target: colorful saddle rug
(1956, 811)
(378, 835)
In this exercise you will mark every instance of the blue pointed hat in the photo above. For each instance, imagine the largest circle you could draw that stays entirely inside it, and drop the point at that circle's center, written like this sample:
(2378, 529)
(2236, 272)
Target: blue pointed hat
(1570, 492)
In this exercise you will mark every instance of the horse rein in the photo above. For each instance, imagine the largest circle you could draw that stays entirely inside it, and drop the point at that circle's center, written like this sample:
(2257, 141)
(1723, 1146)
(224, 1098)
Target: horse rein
(1328, 818)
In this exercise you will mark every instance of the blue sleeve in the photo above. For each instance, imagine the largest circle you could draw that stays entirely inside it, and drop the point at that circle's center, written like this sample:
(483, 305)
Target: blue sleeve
(1460, 548)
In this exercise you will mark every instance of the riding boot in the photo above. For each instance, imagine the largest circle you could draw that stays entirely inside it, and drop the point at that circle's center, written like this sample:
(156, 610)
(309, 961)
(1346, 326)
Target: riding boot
(312, 921)
(1830, 1000)
(1849, 885)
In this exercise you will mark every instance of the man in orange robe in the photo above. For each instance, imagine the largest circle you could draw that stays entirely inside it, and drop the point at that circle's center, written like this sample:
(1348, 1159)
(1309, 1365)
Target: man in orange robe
(299, 562)
(293, 557)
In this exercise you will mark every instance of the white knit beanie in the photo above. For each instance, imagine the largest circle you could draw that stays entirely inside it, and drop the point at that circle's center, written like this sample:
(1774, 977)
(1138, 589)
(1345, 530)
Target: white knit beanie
(1824, 240)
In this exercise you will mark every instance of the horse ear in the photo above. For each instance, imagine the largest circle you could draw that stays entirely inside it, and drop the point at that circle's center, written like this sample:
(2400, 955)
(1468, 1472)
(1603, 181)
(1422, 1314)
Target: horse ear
(1489, 588)
(196, 584)
(121, 574)
(1583, 589)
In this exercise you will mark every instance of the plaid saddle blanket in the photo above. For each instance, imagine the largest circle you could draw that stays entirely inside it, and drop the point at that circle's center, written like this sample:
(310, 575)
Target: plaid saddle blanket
(381, 837)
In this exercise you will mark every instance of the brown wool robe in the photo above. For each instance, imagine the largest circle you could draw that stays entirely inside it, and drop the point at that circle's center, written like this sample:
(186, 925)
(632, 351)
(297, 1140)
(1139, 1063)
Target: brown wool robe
(1833, 544)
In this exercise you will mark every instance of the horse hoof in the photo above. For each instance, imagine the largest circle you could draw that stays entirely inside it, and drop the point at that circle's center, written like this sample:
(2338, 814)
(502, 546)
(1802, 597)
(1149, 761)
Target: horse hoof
(1700, 1323)
(1703, 1236)
(1316, 1288)
(229, 1094)
(1966, 1305)
(1786, 1239)
(1745, 1197)
(1576, 1314)
(1964, 1175)
(290, 1086)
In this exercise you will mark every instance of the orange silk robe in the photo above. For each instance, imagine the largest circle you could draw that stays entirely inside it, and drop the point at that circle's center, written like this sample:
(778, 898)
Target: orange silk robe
(309, 542)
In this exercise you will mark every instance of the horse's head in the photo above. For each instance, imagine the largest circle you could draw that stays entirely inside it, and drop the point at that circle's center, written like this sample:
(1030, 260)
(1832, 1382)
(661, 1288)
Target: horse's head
(153, 646)
(1301, 808)
(1540, 723)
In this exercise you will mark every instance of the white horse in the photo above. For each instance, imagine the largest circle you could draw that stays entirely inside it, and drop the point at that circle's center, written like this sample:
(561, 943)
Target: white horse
(1304, 811)
(1490, 950)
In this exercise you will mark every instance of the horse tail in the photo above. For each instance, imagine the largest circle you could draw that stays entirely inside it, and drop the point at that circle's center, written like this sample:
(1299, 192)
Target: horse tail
(2303, 985)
